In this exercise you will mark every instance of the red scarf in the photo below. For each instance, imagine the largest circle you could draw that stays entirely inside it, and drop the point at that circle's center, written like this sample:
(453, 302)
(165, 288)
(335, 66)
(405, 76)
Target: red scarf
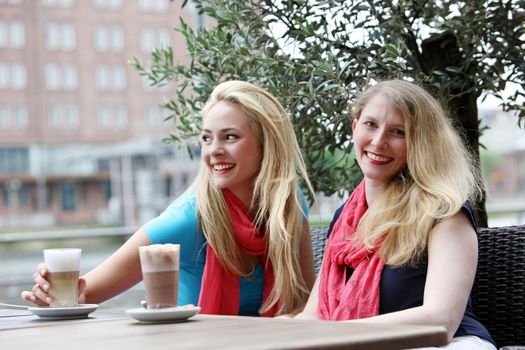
(359, 297)
(220, 290)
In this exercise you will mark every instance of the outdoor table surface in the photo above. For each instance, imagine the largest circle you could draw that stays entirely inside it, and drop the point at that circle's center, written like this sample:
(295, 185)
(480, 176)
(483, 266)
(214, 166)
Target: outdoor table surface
(22, 330)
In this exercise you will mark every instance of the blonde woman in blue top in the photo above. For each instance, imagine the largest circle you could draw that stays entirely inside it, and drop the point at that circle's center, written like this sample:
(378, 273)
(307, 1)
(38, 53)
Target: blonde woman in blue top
(242, 227)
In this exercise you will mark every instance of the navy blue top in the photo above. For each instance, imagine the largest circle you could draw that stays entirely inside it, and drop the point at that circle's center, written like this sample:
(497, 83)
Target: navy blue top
(403, 288)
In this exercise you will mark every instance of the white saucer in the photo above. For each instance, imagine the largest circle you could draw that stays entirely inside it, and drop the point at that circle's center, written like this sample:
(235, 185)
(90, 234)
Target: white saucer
(62, 313)
(172, 314)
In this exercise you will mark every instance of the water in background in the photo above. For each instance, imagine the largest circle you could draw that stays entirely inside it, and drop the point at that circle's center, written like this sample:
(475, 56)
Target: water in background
(19, 262)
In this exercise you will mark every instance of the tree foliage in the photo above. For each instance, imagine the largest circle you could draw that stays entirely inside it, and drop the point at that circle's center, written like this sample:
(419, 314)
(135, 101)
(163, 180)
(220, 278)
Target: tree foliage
(315, 55)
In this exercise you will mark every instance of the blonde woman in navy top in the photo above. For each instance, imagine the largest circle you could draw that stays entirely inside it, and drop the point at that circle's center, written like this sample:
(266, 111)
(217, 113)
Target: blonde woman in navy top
(403, 248)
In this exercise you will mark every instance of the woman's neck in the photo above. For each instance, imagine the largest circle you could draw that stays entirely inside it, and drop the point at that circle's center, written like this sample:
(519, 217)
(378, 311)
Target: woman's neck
(373, 190)
(244, 196)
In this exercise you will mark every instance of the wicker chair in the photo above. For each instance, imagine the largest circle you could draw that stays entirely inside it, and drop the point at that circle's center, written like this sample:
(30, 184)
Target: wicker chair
(498, 295)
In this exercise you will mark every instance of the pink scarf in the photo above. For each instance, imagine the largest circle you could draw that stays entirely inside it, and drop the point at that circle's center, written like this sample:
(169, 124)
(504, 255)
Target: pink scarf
(359, 297)
(220, 290)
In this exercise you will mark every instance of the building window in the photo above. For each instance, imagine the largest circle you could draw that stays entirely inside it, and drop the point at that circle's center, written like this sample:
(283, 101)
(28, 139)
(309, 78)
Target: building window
(114, 117)
(67, 195)
(102, 78)
(23, 195)
(14, 160)
(61, 77)
(17, 36)
(101, 38)
(167, 184)
(4, 35)
(151, 38)
(104, 117)
(12, 34)
(11, 2)
(13, 76)
(105, 186)
(158, 6)
(110, 78)
(14, 117)
(154, 116)
(4, 76)
(63, 116)
(68, 35)
(18, 76)
(5, 117)
(60, 36)
(11, 188)
(199, 17)
(119, 78)
(52, 72)
(117, 38)
(20, 119)
(107, 4)
(109, 38)
(52, 36)
(16, 193)
(54, 117)
(70, 80)
(121, 117)
(58, 3)
(151, 115)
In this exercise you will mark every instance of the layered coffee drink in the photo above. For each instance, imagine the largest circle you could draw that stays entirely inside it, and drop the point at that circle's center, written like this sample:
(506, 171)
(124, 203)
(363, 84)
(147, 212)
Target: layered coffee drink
(160, 270)
(63, 266)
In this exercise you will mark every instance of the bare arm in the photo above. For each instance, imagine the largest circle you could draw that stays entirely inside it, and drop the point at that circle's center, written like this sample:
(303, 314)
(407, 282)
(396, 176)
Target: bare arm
(117, 273)
(307, 257)
(452, 260)
(310, 310)
(113, 276)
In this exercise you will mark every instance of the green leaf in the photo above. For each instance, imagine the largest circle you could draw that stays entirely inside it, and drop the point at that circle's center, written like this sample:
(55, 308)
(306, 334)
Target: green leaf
(325, 51)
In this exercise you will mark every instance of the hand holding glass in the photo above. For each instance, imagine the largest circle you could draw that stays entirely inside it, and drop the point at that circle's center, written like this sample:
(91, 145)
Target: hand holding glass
(63, 266)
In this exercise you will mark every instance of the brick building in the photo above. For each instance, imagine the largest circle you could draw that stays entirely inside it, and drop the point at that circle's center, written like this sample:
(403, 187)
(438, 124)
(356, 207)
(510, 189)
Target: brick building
(80, 129)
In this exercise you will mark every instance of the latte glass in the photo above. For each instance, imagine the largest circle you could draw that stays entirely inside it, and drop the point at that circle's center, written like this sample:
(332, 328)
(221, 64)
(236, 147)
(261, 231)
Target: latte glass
(63, 266)
(160, 270)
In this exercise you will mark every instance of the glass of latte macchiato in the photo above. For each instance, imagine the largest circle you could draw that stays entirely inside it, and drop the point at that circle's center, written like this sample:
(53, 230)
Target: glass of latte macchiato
(63, 269)
(160, 270)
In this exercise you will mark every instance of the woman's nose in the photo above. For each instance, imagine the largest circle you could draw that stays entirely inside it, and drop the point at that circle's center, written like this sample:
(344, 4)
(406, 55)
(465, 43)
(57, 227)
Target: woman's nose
(379, 139)
(216, 148)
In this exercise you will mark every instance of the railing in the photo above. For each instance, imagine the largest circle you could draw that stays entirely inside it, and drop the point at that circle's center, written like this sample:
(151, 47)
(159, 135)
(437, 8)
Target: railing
(67, 234)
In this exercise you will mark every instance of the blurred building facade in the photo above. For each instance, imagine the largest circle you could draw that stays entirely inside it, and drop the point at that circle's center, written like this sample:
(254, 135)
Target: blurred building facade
(80, 129)
(503, 160)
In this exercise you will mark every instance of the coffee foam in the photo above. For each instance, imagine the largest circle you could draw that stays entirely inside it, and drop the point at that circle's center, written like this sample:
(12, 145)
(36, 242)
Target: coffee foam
(59, 260)
(159, 257)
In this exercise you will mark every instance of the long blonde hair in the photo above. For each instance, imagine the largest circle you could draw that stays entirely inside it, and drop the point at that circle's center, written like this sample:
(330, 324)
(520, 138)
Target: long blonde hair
(439, 178)
(275, 201)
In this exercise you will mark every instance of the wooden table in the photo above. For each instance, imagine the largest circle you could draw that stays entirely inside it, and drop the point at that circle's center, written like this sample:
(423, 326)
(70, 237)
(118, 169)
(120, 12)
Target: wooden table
(209, 332)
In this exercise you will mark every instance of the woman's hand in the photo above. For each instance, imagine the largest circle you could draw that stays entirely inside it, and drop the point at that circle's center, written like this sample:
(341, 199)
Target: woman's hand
(39, 294)
(113, 276)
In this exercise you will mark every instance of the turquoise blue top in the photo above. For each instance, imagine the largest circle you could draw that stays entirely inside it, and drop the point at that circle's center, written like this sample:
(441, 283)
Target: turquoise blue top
(178, 225)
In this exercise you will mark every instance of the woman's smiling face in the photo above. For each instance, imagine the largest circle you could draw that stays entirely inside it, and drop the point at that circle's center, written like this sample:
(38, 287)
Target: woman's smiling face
(231, 149)
(379, 140)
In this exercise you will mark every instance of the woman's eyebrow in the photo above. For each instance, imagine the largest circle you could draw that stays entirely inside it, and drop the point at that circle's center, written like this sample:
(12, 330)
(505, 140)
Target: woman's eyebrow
(223, 129)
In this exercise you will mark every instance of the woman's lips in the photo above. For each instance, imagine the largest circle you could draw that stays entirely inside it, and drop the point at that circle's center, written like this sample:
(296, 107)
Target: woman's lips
(377, 158)
(223, 167)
